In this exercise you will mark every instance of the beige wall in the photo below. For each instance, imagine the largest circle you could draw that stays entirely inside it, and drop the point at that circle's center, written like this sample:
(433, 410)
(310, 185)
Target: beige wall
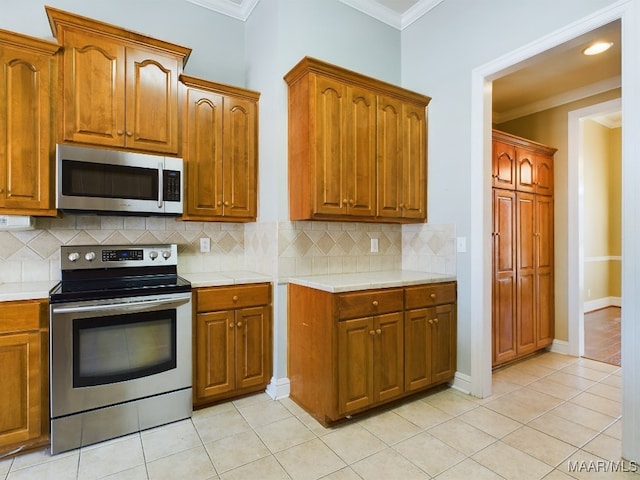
(550, 127)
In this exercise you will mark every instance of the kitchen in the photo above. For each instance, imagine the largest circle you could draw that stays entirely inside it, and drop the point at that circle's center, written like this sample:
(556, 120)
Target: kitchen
(269, 246)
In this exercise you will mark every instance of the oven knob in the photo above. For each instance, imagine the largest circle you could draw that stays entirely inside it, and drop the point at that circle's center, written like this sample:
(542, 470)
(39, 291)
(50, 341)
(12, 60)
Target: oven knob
(90, 256)
(153, 254)
(73, 257)
(166, 254)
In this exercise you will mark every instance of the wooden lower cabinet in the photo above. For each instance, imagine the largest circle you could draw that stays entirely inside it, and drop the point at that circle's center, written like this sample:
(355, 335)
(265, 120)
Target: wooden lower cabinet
(232, 341)
(349, 352)
(24, 397)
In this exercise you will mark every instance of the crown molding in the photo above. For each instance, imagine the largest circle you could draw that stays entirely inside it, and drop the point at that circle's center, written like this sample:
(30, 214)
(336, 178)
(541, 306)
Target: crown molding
(561, 99)
(390, 17)
(227, 7)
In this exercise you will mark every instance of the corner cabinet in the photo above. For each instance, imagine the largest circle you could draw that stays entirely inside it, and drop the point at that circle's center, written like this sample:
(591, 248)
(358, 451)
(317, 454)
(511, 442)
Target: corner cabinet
(232, 341)
(523, 268)
(357, 147)
(118, 88)
(220, 135)
(27, 79)
(24, 380)
(349, 352)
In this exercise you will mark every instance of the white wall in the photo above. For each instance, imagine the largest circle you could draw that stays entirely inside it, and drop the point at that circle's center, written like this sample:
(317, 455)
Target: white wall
(217, 40)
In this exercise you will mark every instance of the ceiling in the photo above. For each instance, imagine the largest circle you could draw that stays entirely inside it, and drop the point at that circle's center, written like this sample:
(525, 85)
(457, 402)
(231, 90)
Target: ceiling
(557, 76)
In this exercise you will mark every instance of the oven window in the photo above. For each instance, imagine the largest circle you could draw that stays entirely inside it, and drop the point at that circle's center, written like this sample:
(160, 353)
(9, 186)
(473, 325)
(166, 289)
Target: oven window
(123, 347)
(86, 179)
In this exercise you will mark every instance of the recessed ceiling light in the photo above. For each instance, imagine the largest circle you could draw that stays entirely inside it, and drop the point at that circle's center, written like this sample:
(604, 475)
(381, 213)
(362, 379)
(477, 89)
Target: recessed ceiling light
(597, 48)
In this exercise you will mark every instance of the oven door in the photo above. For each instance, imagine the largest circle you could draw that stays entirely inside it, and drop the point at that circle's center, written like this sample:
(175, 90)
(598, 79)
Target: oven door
(106, 352)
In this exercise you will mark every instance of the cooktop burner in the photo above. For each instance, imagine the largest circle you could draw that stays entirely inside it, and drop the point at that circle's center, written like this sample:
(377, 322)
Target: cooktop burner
(101, 272)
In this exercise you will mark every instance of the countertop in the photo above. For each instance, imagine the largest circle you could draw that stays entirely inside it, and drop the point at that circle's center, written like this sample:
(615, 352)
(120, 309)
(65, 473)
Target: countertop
(349, 282)
(213, 279)
(26, 290)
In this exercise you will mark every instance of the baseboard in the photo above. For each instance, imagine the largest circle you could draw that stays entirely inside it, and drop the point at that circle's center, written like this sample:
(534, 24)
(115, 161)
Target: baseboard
(461, 382)
(278, 388)
(604, 302)
(560, 346)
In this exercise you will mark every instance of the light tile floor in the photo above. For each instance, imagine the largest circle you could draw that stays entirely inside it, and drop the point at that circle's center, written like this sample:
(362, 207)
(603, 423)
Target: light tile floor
(552, 417)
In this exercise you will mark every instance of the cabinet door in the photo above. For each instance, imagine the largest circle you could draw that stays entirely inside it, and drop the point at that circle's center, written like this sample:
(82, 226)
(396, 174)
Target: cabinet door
(390, 157)
(525, 170)
(26, 147)
(253, 362)
(545, 329)
(417, 358)
(214, 354)
(389, 356)
(151, 101)
(414, 162)
(239, 158)
(504, 276)
(355, 364)
(544, 175)
(203, 154)
(360, 152)
(503, 166)
(20, 384)
(94, 90)
(443, 342)
(526, 273)
(328, 174)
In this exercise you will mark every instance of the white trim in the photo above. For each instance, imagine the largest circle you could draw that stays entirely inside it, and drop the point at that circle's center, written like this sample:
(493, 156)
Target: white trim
(560, 346)
(562, 99)
(610, 258)
(278, 388)
(461, 382)
(227, 7)
(389, 16)
(603, 302)
(480, 167)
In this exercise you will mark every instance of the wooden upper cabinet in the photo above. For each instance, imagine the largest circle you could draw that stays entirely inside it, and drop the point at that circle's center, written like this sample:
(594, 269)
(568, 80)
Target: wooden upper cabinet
(503, 168)
(119, 88)
(357, 147)
(27, 77)
(521, 164)
(220, 135)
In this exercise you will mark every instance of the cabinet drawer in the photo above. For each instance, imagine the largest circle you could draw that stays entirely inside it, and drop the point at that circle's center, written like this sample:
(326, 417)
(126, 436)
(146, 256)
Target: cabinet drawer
(429, 295)
(20, 316)
(365, 304)
(240, 296)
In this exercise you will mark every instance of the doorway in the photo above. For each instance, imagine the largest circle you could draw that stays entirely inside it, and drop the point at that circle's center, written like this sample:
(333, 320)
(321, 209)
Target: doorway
(599, 257)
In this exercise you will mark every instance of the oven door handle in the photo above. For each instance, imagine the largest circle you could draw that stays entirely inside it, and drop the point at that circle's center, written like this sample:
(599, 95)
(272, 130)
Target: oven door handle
(123, 306)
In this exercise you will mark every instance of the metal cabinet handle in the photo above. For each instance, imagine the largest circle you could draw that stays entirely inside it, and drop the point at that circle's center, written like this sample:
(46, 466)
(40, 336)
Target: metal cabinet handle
(129, 133)
(430, 321)
(235, 298)
(379, 331)
(375, 303)
(435, 320)
(239, 324)
(231, 325)
(433, 295)
(120, 132)
(371, 332)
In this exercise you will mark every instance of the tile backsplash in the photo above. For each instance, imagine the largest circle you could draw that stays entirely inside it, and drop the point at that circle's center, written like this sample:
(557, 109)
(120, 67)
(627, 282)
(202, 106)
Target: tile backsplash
(279, 249)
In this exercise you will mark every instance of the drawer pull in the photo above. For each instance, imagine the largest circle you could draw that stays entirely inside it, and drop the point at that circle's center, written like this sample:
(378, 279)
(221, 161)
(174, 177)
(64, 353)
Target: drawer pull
(430, 322)
(239, 324)
(235, 298)
(375, 303)
(379, 331)
(231, 325)
(435, 320)
(433, 296)
(371, 332)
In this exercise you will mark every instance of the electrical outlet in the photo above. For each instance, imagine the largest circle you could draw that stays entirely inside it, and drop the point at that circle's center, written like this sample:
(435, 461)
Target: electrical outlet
(374, 245)
(205, 245)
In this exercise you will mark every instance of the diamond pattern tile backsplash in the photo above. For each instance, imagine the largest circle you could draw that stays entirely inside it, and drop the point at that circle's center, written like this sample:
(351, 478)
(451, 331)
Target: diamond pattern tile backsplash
(279, 249)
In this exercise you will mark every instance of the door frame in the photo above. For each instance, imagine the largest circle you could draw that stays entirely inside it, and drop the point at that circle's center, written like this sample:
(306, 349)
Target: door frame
(480, 205)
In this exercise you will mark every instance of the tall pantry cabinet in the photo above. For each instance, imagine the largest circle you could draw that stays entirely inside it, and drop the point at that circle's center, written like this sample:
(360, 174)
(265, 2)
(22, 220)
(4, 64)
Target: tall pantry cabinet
(522, 290)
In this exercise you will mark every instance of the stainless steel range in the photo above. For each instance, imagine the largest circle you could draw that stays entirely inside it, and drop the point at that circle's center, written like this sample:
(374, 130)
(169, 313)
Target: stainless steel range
(120, 343)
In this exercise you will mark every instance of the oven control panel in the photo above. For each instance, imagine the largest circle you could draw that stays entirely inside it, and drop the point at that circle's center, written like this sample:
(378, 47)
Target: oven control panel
(78, 257)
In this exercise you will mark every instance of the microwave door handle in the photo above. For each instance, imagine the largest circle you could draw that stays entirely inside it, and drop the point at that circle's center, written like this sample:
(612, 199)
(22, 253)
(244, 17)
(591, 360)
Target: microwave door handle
(160, 185)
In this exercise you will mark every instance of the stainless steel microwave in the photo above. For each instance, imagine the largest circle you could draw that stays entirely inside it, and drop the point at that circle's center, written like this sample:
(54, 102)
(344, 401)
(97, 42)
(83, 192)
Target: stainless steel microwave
(111, 181)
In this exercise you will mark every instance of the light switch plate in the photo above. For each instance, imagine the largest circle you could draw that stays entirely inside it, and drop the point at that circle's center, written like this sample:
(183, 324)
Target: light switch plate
(374, 245)
(461, 244)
